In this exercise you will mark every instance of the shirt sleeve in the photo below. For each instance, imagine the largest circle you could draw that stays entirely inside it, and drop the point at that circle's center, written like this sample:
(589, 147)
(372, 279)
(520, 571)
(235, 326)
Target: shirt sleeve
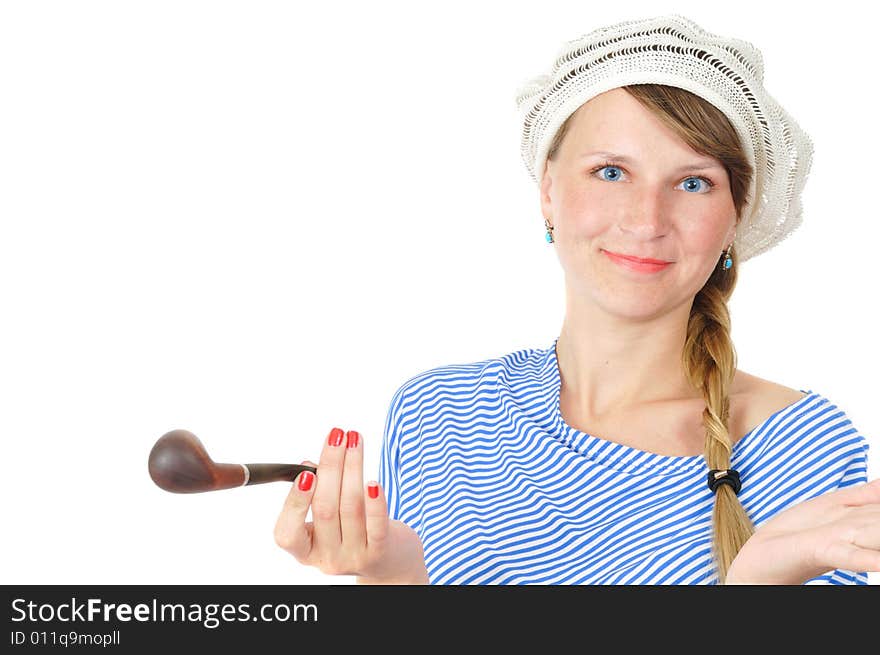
(856, 472)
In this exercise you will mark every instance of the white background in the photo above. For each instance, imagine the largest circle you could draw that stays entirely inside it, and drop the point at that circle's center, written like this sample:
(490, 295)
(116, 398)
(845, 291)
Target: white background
(256, 220)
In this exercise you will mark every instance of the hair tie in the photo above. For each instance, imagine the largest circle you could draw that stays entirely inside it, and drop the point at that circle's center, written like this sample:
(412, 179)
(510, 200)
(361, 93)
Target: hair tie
(717, 477)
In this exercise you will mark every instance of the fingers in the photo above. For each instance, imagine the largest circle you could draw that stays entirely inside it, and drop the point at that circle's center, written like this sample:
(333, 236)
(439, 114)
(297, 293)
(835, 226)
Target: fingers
(851, 557)
(292, 532)
(349, 522)
(351, 502)
(325, 503)
(376, 516)
(854, 543)
(860, 494)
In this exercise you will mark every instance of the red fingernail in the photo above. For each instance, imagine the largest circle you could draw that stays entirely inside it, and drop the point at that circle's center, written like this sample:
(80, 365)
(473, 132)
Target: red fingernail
(335, 437)
(373, 490)
(305, 480)
(353, 438)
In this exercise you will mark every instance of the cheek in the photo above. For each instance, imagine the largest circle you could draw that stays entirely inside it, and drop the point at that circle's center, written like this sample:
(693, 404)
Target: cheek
(585, 215)
(704, 233)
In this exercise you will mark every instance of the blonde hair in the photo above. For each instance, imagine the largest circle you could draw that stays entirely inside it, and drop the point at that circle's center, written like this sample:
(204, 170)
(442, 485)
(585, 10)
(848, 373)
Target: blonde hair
(708, 357)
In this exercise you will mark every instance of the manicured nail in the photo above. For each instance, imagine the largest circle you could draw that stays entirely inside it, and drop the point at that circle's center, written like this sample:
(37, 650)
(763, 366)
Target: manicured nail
(353, 438)
(305, 480)
(373, 490)
(335, 437)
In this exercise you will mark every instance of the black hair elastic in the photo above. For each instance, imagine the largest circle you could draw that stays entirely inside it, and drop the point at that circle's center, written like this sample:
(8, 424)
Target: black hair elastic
(718, 477)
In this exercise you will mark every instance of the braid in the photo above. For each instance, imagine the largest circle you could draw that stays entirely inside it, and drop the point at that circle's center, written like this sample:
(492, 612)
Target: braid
(709, 360)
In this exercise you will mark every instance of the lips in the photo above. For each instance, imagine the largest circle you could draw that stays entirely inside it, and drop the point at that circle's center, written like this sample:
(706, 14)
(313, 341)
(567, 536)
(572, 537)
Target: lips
(638, 265)
(640, 260)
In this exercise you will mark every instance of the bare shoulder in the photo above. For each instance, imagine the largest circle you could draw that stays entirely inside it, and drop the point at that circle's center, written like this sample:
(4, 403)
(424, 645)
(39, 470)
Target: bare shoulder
(754, 400)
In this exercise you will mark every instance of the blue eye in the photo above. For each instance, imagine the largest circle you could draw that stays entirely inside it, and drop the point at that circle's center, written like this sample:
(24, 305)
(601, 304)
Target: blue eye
(692, 184)
(612, 173)
(696, 183)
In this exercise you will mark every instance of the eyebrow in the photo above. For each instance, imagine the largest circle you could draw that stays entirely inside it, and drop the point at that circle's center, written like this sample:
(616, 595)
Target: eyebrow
(697, 166)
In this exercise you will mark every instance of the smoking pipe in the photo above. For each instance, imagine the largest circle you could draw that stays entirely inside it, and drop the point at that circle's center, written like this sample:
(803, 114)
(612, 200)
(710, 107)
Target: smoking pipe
(179, 463)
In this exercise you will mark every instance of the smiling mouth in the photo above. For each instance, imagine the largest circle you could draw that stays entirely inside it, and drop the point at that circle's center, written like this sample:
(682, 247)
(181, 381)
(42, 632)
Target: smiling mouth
(638, 266)
(639, 260)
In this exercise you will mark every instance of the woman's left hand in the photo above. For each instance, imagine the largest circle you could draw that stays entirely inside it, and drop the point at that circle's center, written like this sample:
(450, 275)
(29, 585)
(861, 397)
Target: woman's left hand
(837, 530)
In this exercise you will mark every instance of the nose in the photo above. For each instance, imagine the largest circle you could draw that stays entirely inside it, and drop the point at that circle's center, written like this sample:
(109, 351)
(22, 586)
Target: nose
(647, 213)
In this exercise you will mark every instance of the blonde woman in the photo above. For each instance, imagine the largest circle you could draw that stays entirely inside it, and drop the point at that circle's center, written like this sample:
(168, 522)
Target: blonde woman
(631, 450)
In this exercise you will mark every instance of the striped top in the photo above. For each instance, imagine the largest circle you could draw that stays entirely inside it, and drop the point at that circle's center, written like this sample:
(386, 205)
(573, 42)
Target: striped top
(478, 460)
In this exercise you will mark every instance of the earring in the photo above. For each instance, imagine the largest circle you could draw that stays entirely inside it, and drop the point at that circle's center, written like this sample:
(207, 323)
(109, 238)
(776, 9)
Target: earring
(728, 261)
(549, 235)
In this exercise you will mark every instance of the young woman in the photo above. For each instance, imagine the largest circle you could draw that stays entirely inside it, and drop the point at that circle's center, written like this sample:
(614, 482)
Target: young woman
(632, 450)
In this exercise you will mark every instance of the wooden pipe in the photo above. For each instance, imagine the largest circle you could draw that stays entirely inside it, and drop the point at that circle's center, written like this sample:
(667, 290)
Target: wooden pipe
(179, 463)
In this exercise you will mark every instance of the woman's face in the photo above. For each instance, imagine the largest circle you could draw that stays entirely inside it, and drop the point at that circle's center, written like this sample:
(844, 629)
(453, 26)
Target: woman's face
(653, 201)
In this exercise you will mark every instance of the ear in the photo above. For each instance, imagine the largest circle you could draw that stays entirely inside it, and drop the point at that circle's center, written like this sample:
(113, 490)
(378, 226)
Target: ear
(731, 235)
(546, 182)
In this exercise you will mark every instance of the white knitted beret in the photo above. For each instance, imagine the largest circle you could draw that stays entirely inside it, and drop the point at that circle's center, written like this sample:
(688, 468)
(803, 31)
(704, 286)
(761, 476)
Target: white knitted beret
(675, 51)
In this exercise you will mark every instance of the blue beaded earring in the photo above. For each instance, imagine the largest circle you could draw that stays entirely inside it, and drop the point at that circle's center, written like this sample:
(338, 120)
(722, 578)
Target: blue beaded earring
(728, 261)
(549, 235)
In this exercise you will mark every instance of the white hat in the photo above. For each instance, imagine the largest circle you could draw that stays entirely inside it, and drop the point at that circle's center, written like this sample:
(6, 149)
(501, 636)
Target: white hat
(675, 51)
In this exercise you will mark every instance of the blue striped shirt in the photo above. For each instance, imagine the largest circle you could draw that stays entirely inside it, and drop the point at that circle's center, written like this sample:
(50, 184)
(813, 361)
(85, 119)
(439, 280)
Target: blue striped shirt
(478, 460)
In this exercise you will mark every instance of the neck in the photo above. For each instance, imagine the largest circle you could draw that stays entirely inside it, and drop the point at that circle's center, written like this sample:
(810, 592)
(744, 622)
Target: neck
(608, 364)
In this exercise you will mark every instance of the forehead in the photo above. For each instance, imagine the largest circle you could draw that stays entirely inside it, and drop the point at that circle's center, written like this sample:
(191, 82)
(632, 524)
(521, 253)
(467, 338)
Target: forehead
(615, 111)
(615, 121)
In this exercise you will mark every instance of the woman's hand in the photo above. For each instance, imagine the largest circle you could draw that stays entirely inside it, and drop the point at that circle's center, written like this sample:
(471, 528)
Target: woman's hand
(351, 533)
(837, 530)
